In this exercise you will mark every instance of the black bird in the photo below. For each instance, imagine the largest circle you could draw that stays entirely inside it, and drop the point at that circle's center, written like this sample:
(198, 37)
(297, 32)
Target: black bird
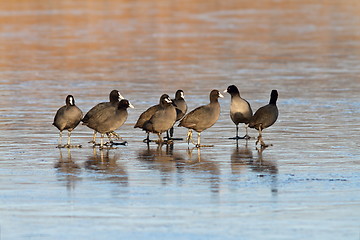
(163, 118)
(67, 118)
(114, 98)
(108, 120)
(203, 117)
(265, 116)
(181, 109)
(240, 111)
(147, 114)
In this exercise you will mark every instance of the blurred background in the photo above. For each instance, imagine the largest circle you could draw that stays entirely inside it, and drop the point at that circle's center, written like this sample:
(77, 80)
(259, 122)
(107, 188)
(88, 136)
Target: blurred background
(305, 186)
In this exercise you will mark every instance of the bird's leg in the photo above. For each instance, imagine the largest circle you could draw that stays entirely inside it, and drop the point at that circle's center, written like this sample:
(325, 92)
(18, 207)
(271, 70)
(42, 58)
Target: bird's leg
(106, 145)
(102, 141)
(60, 140)
(189, 137)
(68, 145)
(93, 141)
(198, 145)
(147, 139)
(160, 140)
(259, 136)
(171, 132)
(118, 137)
(198, 140)
(237, 134)
(68, 139)
(247, 137)
(260, 139)
(169, 140)
(110, 142)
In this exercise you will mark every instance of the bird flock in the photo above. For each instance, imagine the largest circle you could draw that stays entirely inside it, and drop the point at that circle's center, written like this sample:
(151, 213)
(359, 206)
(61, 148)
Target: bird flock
(106, 117)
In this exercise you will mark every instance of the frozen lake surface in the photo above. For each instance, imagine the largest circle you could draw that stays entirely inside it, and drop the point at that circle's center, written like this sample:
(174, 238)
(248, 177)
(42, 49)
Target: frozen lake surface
(305, 186)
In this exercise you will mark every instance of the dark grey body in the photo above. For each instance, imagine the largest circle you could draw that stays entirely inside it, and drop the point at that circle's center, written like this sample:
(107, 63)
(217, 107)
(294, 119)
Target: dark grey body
(114, 98)
(240, 110)
(108, 120)
(68, 116)
(181, 106)
(145, 116)
(264, 117)
(162, 120)
(267, 115)
(203, 117)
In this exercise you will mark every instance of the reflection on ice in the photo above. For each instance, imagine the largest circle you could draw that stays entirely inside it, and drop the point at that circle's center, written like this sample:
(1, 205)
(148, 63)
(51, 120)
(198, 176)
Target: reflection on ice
(147, 48)
(173, 164)
(240, 158)
(160, 159)
(266, 169)
(101, 162)
(208, 171)
(68, 170)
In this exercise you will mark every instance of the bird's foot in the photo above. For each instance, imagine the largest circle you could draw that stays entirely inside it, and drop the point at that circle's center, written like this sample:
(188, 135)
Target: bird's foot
(168, 141)
(190, 138)
(124, 143)
(147, 140)
(174, 139)
(200, 146)
(160, 142)
(69, 146)
(107, 147)
(117, 136)
(236, 138)
(263, 145)
(246, 137)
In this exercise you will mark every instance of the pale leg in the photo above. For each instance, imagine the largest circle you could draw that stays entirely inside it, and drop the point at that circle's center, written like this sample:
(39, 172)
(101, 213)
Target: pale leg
(68, 140)
(160, 141)
(198, 140)
(189, 137)
(246, 130)
(60, 139)
(102, 141)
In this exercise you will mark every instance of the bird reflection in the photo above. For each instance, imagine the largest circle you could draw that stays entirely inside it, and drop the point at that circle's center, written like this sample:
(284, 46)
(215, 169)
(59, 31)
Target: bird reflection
(266, 168)
(209, 169)
(68, 170)
(240, 158)
(163, 160)
(101, 162)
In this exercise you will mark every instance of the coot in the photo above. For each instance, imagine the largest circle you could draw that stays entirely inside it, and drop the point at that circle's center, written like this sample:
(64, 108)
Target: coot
(202, 117)
(67, 118)
(265, 116)
(240, 110)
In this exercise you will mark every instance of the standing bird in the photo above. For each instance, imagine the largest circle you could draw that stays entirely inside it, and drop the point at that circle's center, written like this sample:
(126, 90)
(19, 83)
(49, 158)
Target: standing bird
(240, 111)
(114, 98)
(265, 116)
(108, 119)
(147, 114)
(163, 119)
(67, 118)
(181, 109)
(203, 117)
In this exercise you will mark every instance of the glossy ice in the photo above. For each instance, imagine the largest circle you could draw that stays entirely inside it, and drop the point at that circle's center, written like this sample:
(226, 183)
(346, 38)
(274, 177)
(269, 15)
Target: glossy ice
(306, 186)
